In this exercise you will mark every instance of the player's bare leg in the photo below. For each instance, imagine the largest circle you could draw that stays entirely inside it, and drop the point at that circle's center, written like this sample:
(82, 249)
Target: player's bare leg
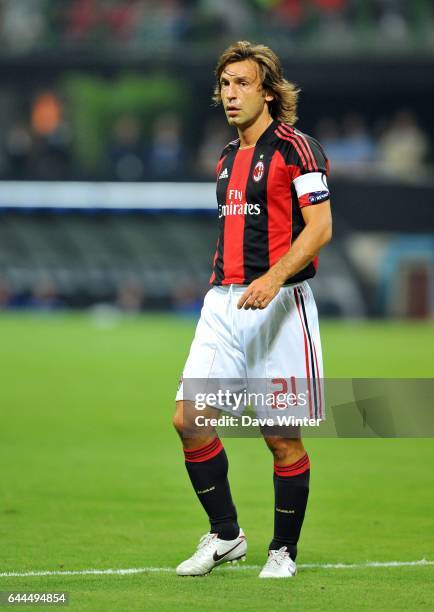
(207, 467)
(192, 435)
(285, 450)
(291, 491)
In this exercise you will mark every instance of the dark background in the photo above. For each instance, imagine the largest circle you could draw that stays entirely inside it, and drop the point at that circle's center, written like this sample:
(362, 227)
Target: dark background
(109, 90)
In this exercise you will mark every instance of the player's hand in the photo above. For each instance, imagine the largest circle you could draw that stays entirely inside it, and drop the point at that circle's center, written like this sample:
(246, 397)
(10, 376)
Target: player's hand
(259, 293)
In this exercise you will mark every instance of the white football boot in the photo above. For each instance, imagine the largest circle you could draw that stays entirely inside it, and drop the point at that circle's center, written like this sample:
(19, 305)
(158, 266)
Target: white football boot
(279, 565)
(211, 552)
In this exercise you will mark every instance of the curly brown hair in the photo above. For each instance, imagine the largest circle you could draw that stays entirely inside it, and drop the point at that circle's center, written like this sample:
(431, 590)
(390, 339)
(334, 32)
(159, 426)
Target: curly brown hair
(283, 107)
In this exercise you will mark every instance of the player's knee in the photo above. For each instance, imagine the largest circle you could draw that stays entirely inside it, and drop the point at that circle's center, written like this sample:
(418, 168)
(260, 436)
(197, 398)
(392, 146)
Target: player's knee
(183, 419)
(178, 421)
(285, 449)
(283, 453)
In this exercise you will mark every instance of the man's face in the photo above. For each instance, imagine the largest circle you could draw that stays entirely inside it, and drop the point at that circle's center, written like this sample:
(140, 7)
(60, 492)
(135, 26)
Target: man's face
(242, 94)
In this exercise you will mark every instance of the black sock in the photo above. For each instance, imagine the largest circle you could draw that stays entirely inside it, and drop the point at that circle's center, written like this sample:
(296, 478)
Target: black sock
(208, 470)
(291, 490)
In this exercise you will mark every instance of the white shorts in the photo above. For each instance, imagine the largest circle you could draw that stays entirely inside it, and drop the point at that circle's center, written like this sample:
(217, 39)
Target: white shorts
(277, 348)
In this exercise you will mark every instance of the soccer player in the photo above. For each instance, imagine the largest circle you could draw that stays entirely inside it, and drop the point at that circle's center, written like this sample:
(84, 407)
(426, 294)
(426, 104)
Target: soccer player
(259, 319)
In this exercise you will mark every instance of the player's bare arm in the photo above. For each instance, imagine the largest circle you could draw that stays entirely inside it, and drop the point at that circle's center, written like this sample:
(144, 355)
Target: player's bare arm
(315, 235)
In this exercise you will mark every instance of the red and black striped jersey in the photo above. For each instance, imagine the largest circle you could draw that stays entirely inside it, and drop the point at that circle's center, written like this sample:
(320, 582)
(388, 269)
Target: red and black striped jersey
(260, 193)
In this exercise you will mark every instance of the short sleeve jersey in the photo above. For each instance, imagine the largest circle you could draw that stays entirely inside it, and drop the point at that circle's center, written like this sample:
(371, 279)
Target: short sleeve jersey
(260, 193)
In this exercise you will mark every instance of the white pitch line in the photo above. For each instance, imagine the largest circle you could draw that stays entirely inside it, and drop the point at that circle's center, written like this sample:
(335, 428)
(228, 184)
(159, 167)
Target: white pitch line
(156, 570)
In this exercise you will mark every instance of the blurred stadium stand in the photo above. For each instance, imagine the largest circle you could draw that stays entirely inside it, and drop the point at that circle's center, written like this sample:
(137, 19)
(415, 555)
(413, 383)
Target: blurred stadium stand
(150, 245)
(93, 258)
(117, 94)
(151, 25)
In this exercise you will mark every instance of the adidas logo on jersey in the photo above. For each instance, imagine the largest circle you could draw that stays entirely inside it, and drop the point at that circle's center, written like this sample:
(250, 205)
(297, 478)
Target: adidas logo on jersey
(224, 174)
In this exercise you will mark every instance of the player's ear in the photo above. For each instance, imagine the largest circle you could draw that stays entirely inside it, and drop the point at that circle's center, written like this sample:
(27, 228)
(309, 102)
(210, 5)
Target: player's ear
(269, 97)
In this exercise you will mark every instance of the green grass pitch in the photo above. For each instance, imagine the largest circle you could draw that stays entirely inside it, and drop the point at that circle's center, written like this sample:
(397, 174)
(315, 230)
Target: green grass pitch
(92, 476)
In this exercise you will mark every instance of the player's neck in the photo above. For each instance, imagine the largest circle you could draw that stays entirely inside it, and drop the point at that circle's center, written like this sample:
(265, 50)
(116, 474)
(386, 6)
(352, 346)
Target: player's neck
(250, 135)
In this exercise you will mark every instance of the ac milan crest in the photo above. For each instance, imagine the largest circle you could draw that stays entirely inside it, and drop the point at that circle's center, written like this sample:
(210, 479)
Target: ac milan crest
(258, 171)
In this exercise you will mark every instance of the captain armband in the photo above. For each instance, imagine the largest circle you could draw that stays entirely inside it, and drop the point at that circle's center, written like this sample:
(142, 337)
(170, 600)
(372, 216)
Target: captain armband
(312, 188)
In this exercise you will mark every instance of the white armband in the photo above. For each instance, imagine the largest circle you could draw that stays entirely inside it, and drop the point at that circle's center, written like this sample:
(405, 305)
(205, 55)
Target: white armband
(314, 184)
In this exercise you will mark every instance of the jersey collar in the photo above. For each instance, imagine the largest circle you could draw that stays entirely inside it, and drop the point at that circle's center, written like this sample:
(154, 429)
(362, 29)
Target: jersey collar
(268, 133)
